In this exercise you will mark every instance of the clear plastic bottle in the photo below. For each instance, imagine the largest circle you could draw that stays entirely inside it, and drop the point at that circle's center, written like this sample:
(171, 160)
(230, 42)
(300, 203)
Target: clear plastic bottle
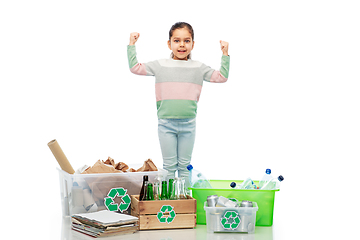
(266, 178)
(197, 179)
(273, 183)
(247, 184)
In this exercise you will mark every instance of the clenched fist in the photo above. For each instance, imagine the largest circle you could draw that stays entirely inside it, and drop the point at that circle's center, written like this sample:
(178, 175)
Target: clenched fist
(224, 47)
(134, 37)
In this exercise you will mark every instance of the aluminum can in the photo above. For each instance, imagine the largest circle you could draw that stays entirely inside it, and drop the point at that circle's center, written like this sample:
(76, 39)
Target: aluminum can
(245, 203)
(212, 200)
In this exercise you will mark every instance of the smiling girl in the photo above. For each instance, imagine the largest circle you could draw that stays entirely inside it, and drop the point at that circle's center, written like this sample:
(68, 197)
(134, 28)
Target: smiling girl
(178, 84)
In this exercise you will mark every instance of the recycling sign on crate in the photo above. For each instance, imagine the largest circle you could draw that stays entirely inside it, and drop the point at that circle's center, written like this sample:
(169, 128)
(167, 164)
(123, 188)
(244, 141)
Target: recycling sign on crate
(166, 214)
(117, 192)
(230, 220)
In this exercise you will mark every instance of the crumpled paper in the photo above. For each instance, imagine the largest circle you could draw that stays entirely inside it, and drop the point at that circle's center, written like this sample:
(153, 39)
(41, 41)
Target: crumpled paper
(102, 183)
(109, 166)
(147, 166)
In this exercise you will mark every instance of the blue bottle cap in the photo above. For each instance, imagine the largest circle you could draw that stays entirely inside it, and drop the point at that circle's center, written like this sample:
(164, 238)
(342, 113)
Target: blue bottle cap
(281, 178)
(233, 184)
(268, 171)
(189, 167)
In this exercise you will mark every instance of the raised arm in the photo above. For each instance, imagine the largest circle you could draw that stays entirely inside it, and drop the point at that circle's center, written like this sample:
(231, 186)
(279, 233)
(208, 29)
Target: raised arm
(222, 75)
(135, 67)
(147, 69)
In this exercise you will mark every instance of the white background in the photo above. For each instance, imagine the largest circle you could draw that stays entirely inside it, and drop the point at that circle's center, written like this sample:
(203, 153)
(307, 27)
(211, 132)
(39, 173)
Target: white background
(291, 102)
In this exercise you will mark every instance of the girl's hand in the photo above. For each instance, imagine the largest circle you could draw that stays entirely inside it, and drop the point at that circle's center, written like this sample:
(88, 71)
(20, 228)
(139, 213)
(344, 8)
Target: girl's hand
(134, 37)
(224, 47)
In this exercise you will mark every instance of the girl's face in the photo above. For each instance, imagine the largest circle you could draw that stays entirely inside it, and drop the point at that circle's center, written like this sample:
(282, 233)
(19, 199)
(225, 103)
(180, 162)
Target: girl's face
(181, 43)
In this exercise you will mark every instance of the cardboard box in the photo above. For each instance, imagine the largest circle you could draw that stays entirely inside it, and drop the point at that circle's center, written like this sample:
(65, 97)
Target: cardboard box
(164, 214)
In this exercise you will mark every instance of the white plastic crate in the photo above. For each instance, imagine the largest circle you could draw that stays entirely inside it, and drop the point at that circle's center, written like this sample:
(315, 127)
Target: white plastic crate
(225, 219)
(81, 193)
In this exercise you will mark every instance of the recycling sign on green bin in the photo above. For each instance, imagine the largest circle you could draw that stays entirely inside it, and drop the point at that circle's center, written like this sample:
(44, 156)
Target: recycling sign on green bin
(117, 192)
(230, 220)
(168, 217)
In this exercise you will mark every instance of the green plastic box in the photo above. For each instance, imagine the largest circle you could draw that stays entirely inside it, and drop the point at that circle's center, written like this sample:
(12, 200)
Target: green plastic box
(264, 199)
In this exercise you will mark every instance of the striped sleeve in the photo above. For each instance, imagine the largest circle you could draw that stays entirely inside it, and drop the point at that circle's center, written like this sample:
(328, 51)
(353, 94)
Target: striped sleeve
(225, 66)
(222, 75)
(147, 69)
(131, 53)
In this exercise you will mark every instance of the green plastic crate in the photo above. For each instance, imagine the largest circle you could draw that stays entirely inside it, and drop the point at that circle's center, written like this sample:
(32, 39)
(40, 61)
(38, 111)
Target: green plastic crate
(264, 199)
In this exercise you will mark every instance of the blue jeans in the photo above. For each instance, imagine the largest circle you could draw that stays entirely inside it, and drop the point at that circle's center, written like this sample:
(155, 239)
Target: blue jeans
(177, 137)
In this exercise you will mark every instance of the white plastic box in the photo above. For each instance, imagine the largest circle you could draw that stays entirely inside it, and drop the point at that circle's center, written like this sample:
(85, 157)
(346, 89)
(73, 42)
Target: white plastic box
(225, 219)
(81, 193)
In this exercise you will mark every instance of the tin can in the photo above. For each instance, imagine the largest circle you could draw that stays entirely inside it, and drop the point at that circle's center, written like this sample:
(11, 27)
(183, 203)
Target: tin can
(245, 203)
(246, 224)
(224, 202)
(212, 200)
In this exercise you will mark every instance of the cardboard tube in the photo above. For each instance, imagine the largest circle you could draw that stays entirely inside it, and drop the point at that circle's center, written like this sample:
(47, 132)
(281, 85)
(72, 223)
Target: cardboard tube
(60, 157)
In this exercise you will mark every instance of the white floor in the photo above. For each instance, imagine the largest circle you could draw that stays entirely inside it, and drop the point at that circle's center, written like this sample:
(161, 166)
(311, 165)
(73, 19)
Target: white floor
(199, 232)
(302, 214)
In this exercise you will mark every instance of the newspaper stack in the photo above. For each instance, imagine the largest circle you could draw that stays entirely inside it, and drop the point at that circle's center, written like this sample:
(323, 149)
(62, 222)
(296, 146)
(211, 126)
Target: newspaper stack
(104, 223)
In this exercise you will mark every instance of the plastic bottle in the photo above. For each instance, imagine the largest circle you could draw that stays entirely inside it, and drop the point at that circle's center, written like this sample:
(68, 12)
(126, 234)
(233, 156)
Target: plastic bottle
(266, 178)
(273, 183)
(197, 179)
(247, 184)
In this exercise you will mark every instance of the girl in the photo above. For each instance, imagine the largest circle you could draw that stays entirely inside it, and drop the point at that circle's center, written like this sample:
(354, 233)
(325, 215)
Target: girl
(178, 84)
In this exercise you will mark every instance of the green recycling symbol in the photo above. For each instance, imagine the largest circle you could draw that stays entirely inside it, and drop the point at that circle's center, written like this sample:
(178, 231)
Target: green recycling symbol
(230, 220)
(125, 200)
(169, 218)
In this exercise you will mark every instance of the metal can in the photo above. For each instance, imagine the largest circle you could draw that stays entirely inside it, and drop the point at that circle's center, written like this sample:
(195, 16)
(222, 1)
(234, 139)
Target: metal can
(245, 203)
(231, 204)
(246, 224)
(221, 202)
(212, 200)
(225, 202)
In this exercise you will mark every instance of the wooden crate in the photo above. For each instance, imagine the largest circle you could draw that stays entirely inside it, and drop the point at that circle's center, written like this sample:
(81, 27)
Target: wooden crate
(158, 215)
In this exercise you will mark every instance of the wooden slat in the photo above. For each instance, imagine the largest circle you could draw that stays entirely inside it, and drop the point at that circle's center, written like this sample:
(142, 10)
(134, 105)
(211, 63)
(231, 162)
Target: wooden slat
(153, 207)
(148, 222)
